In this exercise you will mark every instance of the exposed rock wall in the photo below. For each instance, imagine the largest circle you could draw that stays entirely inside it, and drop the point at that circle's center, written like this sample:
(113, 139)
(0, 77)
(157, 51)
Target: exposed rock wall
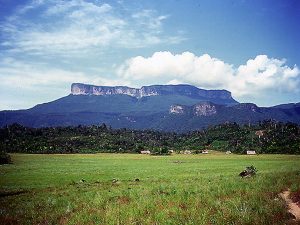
(204, 109)
(185, 90)
(200, 109)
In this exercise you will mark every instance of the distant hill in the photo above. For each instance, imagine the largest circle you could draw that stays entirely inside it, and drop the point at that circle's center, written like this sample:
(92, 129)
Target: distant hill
(159, 107)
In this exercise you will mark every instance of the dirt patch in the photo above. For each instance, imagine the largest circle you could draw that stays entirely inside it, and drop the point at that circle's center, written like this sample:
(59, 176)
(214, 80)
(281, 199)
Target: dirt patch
(295, 196)
(183, 206)
(124, 200)
(293, 207)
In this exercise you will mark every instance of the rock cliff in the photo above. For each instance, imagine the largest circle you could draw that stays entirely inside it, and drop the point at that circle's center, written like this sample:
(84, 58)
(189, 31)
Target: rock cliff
(199, 109)
(184, 90)
(177, 109)
(204, 109)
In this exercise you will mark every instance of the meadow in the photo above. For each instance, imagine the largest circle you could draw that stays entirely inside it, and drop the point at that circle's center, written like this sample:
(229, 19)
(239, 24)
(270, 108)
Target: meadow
(143, 189)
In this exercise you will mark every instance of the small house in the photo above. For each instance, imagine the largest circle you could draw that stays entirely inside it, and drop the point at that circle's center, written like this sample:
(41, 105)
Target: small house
(146, 152)
(228, 152)
(205, 152)
(187, 152)
(251, 153)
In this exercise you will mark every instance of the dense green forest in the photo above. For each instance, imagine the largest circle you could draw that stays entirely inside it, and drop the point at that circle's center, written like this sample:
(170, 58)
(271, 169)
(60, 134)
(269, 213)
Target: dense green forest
(264, 137)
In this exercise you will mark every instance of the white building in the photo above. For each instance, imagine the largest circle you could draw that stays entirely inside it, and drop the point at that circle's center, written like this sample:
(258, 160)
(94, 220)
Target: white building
(146, 152)
(251, 153)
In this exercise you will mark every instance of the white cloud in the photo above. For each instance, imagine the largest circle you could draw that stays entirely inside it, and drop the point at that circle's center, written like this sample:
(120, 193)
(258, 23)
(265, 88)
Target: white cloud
(24, 85)
(257, 76)
(148, 19)
(67, 27)
(28, 76)
(186, 67)
(265, 74)
(48, 44)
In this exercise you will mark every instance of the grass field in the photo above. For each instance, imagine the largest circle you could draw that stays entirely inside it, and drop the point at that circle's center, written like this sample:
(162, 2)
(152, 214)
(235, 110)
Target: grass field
(177, 189)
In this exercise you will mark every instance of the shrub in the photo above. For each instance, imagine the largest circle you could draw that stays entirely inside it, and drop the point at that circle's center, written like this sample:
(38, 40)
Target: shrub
(5, 158)
(248, 172)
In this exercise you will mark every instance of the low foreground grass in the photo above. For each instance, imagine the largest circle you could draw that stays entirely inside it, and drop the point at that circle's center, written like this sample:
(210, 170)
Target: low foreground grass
(178, 189)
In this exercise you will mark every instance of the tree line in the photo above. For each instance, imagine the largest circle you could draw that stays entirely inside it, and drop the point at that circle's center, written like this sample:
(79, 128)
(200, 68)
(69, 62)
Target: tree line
(264, 137)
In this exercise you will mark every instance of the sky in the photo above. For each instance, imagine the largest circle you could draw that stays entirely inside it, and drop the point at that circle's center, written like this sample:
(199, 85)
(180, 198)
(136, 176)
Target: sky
(249, 47)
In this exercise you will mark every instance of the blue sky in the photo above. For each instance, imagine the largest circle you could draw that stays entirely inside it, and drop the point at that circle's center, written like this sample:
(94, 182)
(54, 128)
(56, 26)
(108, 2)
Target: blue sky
(249, 47)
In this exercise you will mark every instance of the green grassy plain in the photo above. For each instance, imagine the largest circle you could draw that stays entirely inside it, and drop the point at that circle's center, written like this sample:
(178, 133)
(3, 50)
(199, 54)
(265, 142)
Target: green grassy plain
(177, 189)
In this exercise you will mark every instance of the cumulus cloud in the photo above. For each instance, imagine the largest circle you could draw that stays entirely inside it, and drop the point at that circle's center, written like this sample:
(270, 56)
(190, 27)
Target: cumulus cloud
(263, 73)
(186, 67)
(57, 26)
(253, 78)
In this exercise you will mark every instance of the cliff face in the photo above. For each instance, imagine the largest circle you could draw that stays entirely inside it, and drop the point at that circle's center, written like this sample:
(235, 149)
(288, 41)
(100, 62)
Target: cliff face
(204, 109)
(200, 109)
(185, 90)
(85, 89)
(177, 109)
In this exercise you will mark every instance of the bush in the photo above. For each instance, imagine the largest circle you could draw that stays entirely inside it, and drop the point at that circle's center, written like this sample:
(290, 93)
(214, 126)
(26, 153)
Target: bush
(5, 158)
(248, 172)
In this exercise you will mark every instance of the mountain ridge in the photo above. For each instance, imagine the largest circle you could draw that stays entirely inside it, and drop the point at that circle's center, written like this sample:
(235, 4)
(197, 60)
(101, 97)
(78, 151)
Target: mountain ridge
(152, 90)
(177, 108)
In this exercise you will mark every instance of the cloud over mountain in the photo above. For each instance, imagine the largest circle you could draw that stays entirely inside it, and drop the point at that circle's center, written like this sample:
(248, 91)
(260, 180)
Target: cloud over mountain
(254, 77)
(47, 44)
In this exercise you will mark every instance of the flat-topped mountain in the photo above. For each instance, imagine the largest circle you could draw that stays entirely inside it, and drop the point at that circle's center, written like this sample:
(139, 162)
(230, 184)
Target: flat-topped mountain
(221, 96)
(159, 107)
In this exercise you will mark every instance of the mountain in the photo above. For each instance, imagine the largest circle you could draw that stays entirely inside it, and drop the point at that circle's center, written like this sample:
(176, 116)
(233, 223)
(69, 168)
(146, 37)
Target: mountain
(161, 107)
(204, 114)
(221, 96)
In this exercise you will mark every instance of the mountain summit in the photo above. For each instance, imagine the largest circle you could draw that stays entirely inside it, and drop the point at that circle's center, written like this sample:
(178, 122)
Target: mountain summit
(221, 96)
(159, 107)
